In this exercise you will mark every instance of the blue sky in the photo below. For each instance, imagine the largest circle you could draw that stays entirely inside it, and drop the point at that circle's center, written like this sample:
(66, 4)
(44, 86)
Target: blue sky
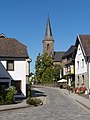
(25, 20)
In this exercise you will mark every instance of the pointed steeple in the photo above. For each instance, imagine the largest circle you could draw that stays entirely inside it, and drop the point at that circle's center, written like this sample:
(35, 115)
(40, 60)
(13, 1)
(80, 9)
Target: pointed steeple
(48, 42)
(48, 33)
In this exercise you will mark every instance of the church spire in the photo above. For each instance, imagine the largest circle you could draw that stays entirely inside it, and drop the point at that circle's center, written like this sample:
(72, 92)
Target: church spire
(48, 42)
(48, 33)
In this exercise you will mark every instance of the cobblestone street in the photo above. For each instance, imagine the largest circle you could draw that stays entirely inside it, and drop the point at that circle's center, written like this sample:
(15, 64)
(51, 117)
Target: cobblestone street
(57, 107)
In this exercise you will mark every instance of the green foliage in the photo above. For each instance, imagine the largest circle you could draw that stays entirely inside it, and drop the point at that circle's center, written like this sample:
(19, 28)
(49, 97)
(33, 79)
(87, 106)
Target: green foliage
(33, 101)
(9, 98)
(2, 95)
(31, 74)
(29, 89)
(57, 72)
(7, 95)
(45, 71)
(11, 89)
(1, 100)
(38, 68)
(47, 76)
(46, 60)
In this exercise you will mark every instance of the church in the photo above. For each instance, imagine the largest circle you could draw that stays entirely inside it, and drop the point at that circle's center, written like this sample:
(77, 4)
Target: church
(48, 45)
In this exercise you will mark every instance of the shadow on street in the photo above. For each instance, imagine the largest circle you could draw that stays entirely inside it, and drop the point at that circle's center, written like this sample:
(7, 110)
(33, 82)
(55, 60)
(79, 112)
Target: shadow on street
(37, 93)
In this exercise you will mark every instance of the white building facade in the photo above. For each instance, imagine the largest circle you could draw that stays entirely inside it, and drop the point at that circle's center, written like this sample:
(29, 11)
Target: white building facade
(14, 66)
(82, 62)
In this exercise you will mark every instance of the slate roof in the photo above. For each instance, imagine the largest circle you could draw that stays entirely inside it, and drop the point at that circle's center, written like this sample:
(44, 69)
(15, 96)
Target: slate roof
(58, 56)
(69, 51)
(48, 33)
(10, 47)
(85, 43)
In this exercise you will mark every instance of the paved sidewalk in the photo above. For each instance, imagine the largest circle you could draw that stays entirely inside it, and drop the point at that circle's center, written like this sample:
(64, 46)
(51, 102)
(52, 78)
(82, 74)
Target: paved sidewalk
(82, 100)
(14, 106)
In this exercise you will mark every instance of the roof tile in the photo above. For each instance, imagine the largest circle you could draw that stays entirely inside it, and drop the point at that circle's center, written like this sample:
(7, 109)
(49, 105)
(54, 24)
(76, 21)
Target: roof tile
(85, 40)
(10, 47)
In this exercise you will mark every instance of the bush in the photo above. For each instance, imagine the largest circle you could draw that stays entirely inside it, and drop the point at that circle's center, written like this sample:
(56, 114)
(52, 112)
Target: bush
(33, 101)
(9, 98)
(7, 95)
(1, 100)
(11, 91)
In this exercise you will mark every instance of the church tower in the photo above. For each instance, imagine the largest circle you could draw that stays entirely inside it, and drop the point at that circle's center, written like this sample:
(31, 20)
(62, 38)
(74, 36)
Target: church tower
(48, 42)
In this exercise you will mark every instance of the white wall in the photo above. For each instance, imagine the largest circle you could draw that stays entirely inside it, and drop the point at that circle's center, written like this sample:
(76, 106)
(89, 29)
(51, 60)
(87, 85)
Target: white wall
(19, 72)
(79, 57)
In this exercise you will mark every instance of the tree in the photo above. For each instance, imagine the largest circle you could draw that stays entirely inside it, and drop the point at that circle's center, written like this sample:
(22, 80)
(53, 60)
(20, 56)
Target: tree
(31, 74)
(45, 71)
(43, 68)
(57, 72)
(47, 76)
(38, 68)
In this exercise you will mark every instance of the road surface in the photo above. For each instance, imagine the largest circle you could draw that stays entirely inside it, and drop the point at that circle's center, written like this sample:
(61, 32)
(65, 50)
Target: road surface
(58, 107)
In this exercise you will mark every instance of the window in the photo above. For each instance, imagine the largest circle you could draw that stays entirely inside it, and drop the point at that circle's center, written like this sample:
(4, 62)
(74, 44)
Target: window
(78, 81)
(77, 64)
(82, 79)
(82, 63)
(10, 65)
(47, 46)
